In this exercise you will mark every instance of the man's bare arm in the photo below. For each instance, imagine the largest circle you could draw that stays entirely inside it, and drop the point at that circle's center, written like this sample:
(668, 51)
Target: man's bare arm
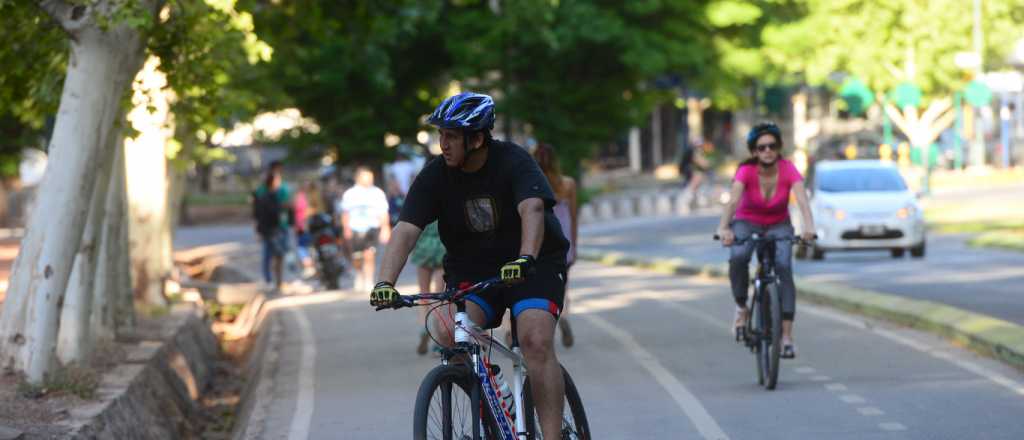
(403, 238)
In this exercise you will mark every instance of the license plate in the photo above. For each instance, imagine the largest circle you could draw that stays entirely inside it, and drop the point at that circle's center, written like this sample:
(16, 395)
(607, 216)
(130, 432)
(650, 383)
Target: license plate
(872, 230)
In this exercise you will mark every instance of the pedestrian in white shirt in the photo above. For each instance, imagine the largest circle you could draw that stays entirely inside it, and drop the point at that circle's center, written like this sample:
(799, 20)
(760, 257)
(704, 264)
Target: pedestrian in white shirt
(365, 223)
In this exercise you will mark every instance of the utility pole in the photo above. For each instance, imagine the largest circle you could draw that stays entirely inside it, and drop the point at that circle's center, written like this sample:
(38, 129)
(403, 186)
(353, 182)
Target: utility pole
(978, 145)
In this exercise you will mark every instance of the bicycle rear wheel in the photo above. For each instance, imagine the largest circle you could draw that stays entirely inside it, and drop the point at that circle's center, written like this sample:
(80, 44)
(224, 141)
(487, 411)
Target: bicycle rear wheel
(574, 417)
(756, 324)
(448, 405)
(774, 342)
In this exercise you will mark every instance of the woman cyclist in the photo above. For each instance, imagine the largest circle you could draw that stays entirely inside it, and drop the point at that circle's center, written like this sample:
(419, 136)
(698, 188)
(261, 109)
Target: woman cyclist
(760, 204)
(566, 210)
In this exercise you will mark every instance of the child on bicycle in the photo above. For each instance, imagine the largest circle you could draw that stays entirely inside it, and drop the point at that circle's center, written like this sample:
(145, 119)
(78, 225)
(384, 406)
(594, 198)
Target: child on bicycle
(760, 204)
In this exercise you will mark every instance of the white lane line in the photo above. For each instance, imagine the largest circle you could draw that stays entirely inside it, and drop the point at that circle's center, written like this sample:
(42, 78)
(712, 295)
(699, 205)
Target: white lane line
(852, 398)
(806, 370)
(303, 414)
(869, 411)
(973, 367)
(821, 378)
(702, 420)
(892, 426)
(835, 387)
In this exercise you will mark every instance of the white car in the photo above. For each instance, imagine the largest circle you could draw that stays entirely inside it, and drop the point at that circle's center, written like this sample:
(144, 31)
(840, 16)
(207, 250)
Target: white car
(865, 204)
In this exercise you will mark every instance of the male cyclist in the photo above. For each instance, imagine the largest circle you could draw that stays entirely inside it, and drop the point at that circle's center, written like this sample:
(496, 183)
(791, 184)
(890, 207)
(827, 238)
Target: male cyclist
(493, 206)
(760, 202)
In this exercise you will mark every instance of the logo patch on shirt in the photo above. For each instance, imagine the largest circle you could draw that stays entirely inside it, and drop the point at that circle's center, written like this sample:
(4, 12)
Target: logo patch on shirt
(481, 214)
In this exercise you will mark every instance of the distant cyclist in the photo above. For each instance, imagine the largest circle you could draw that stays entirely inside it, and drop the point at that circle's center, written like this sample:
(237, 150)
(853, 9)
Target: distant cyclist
(760, 204)
(493, 208)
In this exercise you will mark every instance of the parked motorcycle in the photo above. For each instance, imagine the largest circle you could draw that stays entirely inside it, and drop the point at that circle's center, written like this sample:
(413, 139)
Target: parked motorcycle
(330, 263)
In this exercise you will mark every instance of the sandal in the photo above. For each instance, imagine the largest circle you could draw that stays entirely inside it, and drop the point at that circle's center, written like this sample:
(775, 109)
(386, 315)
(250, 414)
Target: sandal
(424, 340)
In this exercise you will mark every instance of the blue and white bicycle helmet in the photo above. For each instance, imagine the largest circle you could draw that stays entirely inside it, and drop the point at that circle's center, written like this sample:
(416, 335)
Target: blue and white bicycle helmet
(762, 129)
(466, 111)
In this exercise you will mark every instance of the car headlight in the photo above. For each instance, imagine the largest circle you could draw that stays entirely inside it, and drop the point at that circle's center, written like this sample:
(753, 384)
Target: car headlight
(906, 212)
(837, 214)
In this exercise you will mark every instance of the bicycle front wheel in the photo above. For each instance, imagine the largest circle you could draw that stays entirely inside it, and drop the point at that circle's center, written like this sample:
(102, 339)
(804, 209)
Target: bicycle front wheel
(574, 417)
(756, 325)
(775, 341)
(448, 405)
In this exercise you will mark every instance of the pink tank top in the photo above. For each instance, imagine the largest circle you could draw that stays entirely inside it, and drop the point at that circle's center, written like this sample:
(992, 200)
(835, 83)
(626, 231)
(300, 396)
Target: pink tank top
(753, 207)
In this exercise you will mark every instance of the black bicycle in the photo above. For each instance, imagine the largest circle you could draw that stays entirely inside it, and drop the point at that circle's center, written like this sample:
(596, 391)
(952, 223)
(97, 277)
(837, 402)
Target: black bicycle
(466, 397)
(762, 333)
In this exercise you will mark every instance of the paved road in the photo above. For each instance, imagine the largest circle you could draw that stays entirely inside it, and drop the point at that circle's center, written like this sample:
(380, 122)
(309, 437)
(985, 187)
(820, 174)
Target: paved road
(988, 281)
(654, 360)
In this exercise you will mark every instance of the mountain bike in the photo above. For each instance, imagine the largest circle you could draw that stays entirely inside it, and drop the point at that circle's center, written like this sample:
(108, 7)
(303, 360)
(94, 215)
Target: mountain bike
(465, 397)
(763, 331)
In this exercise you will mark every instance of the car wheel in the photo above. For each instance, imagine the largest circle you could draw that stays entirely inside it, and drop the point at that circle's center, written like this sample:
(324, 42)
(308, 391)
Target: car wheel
(917, 251)
(818, 254)
(896, 252)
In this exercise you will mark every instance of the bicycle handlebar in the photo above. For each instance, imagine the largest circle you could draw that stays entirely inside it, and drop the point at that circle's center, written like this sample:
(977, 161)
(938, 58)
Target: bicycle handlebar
(758, 238)
(448, 295)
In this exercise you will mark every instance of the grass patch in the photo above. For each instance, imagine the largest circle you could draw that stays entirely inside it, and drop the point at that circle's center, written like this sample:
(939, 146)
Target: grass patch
(224, 312)
(1012, 239)
(76, 380)
(979, 227)
(217, 199)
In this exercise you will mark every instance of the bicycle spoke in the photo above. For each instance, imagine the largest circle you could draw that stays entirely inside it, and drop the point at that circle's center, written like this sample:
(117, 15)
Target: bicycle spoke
(449, 415)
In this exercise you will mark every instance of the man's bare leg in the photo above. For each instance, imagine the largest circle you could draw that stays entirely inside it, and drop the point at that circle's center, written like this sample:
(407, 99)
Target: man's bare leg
(536, 329)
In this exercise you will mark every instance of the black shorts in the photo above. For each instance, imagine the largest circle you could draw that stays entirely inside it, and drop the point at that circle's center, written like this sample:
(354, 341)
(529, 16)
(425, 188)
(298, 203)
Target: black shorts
(544, 289)
(362, 241)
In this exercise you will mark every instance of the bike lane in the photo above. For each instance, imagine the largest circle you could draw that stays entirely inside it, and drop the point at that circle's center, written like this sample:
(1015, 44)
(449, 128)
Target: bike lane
(643, 339)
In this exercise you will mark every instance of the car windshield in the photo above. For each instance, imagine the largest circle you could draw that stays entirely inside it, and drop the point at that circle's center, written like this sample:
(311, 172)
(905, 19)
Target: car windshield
(860, 179)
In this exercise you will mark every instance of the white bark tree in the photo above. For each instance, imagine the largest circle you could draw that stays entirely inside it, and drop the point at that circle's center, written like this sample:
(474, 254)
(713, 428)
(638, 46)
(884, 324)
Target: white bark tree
(104, 56)
(113, 302)
(146, 160)
(74, 338)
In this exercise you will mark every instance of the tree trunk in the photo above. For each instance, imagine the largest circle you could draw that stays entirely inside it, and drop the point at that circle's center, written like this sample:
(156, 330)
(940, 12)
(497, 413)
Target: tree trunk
(114, 283)
(99, 68)
(74, 338)
(146, 167)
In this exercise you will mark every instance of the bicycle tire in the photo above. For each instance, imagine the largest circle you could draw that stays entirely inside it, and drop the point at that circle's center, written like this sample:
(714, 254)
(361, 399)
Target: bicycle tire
(580, 427)
(756, 326)
(775, 342)
(449, 377)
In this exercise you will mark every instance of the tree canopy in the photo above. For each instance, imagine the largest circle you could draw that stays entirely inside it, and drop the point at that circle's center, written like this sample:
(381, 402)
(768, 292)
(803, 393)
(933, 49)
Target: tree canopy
(889, 42)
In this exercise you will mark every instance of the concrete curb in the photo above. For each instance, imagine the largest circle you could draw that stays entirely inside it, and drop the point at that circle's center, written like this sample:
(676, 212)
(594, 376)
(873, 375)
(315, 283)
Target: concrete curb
(993, 337)
(155, 394)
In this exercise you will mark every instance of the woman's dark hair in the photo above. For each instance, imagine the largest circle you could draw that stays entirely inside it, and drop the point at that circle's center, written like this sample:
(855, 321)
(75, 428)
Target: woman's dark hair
(756, 132)
(545, 156)
(272, 169)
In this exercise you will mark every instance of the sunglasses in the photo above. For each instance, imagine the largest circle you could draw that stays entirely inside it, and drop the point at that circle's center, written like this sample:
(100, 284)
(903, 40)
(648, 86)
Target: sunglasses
(765, 147)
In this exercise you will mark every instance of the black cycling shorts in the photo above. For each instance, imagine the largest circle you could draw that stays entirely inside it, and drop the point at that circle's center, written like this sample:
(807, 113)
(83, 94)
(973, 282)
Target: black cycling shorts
(544, 289)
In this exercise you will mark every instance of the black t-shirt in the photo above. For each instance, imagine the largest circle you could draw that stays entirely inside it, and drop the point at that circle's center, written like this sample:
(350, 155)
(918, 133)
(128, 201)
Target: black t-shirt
(477, 213)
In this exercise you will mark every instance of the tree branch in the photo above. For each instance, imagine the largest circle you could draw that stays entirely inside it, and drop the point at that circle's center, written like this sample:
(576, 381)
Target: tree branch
(941, 124)
(71, 17)
(898, 119)
(935, 109)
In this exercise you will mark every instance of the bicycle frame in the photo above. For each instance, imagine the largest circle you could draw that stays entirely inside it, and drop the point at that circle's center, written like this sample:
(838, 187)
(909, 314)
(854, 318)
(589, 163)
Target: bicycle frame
(470, 338)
